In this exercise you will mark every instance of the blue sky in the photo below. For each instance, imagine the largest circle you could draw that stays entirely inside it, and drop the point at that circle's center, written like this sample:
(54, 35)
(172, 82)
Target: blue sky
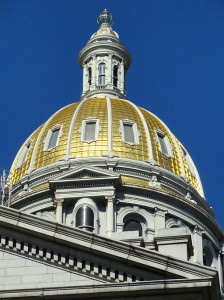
(177, 70)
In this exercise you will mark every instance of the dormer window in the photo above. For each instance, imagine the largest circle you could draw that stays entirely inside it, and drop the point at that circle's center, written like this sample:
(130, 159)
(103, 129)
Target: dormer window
(90, 76)
(164, 143)
(101, 77)
(129, 132)
(115, 75)
(90, 130)
(189, 161)
(52, 138)
(23, 155)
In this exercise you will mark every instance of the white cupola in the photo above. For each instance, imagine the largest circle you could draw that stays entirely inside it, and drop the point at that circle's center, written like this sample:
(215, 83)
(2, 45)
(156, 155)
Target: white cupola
(104, 61)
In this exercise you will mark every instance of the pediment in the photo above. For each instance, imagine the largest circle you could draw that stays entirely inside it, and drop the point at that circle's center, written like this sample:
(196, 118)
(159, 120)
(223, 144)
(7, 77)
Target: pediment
(85, 176)
(86, 172)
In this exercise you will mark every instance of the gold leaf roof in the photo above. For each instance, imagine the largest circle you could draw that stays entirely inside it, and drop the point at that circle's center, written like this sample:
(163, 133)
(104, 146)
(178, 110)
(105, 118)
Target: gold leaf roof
(110, 112)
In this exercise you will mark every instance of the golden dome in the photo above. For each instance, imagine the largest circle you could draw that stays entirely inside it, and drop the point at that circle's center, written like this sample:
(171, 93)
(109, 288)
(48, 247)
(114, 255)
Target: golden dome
(151, 136)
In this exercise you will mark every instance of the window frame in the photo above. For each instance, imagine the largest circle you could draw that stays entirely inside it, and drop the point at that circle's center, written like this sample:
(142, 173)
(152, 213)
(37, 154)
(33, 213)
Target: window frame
(189, 161)
(23, 156)
(168, 145)
(83, 129)
(49, 135)
(136, 133)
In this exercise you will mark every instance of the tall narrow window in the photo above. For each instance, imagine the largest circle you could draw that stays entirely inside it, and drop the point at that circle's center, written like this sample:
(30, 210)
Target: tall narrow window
(164, 143)
(23, 155)
(101, 78)
(115, 75)
(53, 138)
(85, 218)
(90, 76)
(90, 131)
(189, 161)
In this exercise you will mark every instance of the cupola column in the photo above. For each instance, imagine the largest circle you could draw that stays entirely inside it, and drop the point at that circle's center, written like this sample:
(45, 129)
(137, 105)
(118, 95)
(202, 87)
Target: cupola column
(94, 72)
(59, 210)
(122, 77)
(110, 215)
(85, 78)
(109, 82)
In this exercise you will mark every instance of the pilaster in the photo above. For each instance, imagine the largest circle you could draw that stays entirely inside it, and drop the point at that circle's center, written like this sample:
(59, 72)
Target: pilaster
(110, 215)
(198, 247)
(59, 210)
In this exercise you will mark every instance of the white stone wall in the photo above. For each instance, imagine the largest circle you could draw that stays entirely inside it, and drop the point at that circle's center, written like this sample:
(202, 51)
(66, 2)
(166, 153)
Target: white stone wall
(17, 272)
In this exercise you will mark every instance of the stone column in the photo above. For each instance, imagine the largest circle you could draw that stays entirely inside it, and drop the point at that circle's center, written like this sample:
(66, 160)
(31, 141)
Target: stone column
(59, 210)
(85, 78)
(198, 247)
(220, 270)
(94, 72)
(122, 76)
(160, 221)
(110, 215)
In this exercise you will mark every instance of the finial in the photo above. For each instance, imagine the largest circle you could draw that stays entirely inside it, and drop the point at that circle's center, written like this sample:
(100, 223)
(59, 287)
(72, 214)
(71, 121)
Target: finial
(105, 18)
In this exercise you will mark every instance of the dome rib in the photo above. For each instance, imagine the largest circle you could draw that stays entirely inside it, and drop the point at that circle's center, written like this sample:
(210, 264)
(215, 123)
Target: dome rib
(71, 128)
(110, 127)
(149, 141)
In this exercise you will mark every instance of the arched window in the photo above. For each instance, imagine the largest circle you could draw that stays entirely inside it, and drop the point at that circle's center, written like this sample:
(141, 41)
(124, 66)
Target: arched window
(85, 218)
(207, 256)
(115, 75)
(133, 225)
(101, 78)
(90, 76)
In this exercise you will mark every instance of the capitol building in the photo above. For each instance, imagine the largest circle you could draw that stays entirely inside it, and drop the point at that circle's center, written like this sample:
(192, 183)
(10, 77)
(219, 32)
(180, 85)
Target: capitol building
(105, 202)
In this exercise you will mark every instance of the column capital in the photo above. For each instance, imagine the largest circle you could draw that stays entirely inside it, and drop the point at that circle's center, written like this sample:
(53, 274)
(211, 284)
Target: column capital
(198, 230)
(110, 198)
(58, 201)
(159, 211)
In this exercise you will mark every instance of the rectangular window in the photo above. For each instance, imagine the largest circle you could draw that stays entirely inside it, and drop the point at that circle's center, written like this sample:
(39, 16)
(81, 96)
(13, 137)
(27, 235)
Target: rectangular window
(129, 133)
(23, 155)
(53, 138)
(90, 131)
(189, 162)
(162, 143)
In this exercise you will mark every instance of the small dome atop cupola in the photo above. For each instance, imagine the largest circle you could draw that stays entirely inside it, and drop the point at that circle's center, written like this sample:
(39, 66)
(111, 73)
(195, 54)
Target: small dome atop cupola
(105, 18)
(104, 61)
